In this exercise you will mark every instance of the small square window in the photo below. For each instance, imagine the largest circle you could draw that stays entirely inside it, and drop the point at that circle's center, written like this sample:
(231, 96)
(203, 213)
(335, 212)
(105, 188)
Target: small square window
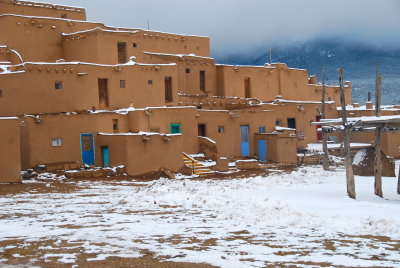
(134, 44)
(261, 130)
(122, 83)
(1, 93)
(221, 129)
(58, 85)
(188, 71)
(56, 142)
(278, 123)
(150, 82)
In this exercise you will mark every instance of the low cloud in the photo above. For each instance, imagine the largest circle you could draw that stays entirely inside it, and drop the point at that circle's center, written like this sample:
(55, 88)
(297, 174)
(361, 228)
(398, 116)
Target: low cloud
(240, 26)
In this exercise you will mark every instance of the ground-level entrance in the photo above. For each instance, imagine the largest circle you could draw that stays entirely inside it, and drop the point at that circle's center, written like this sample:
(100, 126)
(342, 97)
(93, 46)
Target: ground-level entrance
(87, 149)
(244, 140)
(262, 150)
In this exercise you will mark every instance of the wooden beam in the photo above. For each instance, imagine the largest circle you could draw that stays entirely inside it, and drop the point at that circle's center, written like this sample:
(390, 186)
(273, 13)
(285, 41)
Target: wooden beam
(325, 159)
(398, 182)
(378, 136)
(351, 191)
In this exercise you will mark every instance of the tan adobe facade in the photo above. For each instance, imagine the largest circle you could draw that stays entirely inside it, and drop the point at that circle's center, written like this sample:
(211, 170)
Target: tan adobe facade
(10, 157)
(105, 96)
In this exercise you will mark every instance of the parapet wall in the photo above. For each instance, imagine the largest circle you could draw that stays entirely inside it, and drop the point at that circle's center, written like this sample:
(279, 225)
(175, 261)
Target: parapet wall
(28, 8)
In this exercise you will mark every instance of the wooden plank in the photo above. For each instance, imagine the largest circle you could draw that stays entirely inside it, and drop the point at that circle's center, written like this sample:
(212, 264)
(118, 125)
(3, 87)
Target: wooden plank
(378, 135)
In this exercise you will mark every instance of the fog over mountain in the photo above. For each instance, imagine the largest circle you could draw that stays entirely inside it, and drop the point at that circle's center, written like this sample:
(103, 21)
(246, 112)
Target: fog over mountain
(353, 34)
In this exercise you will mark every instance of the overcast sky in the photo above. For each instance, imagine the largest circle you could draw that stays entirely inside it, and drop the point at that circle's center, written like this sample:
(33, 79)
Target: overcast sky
(237, 26)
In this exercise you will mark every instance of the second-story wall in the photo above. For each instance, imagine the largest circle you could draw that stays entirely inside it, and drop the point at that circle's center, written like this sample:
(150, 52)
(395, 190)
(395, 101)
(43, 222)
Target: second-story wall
(53, 88)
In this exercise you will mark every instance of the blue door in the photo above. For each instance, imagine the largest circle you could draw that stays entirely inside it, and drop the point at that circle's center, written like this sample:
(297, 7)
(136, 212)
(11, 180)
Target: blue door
(106, 159)
(262, 150)
(244, 140)
(87, 149)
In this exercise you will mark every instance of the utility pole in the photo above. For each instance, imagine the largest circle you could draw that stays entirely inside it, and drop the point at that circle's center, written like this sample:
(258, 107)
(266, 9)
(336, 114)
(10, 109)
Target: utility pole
(351, 189)
(148, 25)
(378, 135)
(270, 56)
(325, 160)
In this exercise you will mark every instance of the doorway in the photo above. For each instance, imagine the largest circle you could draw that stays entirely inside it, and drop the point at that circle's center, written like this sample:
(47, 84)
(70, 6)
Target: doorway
(87, 149)
(168, 89)
(291, 123)
(203, 81)
(105, 156)
(201, 130)
(103, 93)
(247, 87)
(244, 140)
(262, 150)
(122, 55)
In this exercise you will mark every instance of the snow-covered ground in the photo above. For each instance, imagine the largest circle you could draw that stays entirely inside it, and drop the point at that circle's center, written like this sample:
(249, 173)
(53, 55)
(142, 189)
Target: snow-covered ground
(302, 217)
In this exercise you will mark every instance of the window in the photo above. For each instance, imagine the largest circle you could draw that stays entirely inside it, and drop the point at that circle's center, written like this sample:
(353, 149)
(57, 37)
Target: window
(64, 16)
(261, 130)
(278, 123)
(291, 122)
(203, 81)
(122, 55)
(58, 85)
(168, 89)
(115, 125)
(1, 93)
(221, 129)
(56, 142)
(150, 82)
(188, 71)
(122, 83)
(134, 44)
(175, 128)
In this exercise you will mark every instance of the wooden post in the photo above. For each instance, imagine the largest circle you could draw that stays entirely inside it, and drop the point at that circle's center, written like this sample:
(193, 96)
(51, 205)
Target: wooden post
(378, 135)
(351, 188)
(325, 160)
(398, 183)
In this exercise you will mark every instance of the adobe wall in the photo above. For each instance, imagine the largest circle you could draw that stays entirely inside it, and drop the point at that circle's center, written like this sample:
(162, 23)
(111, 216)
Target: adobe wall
(281, 148)
(142, 156)
(37, 135)
(28, 8)
(38, 39)
(10, 157)
(160, 119)
(304, 113)
(33, 91)
(228, 142)
(189, 68)
(100, 45)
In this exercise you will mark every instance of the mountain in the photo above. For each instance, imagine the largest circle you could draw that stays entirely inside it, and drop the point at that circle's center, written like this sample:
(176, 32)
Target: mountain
(358, 60)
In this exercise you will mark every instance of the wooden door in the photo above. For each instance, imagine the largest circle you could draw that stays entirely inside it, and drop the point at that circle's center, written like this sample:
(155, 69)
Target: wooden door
(103, 93)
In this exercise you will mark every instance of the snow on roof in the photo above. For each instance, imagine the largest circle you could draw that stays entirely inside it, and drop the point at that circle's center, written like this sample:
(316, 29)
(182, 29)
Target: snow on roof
(49, 5)
(100, 29)
(177, 55)
(300, 102)
(364, 120)
(8, 118)
(141, 133)
(364, 108)
(284, 128)
(318, 146)
(129, 63)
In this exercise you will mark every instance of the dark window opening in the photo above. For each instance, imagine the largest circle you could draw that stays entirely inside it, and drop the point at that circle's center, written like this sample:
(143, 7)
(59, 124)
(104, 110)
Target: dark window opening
(122, 83)
(103, 93)
(291, 122)
(221, 129)
(134, 44)
(115, 125)
(247, 88)
(58, 85)
(261, 130)
(188, 71)
(278, 123)
(1, 93)
(203, 81)
(168, 89)
(201, 130)
(122, 57)
(150, 82)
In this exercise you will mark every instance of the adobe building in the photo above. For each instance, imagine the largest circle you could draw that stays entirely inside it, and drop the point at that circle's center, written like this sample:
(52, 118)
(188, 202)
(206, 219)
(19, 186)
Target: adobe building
(84, 92)
(10, 159)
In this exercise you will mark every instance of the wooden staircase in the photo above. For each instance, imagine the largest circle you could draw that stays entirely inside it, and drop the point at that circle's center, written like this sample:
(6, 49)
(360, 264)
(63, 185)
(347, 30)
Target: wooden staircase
(196, 167)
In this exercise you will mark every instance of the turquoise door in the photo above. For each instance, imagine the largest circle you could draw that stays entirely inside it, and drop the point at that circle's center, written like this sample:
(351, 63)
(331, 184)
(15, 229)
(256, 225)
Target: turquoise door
(244, 140)
(87, 149)
(104, 153)
(262, 150)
